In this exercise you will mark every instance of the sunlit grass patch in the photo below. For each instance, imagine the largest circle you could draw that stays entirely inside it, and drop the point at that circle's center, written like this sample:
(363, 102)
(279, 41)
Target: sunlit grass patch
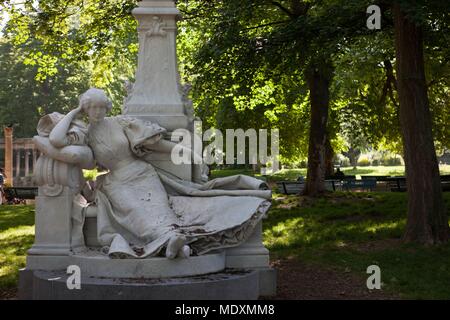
(16, 237)
(294, 174)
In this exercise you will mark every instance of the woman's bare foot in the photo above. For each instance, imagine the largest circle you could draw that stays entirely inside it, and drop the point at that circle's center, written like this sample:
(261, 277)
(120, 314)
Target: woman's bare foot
(185, 252)
(176, 244)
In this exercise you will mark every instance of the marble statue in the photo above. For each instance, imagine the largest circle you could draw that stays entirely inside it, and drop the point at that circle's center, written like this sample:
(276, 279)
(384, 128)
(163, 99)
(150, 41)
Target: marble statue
(147, 216)
(143, 211)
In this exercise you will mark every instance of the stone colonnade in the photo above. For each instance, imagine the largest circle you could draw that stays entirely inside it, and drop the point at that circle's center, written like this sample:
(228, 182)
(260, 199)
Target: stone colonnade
(20, 160)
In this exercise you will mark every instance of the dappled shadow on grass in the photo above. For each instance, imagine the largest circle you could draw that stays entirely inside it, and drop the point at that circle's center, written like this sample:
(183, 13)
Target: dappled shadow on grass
(13, 248)
(13, 216)
(288, 174)
(354, 230)
(413, 271)
(338, 217)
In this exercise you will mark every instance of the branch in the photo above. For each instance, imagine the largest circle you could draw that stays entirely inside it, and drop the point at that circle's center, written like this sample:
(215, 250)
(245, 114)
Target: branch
(284, 9)
(266, 25)
(391, 83)
(433, 82)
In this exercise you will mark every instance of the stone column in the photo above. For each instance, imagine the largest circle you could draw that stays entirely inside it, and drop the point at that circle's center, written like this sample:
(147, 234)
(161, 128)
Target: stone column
(34, 152)
(9, 155)
(156, 94)
(27, 163)
(18, 163)
(8, 132)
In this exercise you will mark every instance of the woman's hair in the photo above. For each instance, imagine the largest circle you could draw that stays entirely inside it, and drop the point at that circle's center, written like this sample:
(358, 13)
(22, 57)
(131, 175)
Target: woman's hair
(96, 96)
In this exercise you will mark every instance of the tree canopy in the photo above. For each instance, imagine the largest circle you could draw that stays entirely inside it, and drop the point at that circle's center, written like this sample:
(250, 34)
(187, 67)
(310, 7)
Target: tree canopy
(246, 61)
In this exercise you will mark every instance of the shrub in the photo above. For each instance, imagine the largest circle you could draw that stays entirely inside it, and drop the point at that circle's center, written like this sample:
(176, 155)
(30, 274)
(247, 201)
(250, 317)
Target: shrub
(391, 161)
(363, 162)
(303, 164)
(345, 163)
(90, 175)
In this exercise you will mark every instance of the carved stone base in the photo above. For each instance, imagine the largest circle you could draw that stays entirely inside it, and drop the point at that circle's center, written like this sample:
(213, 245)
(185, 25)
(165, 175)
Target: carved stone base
(53, 224)
(225, 285)
(94, 264)
(250, 255)
(253, 255)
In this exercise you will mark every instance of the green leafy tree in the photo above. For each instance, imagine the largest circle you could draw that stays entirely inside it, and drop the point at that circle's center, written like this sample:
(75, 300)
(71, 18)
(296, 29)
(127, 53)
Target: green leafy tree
(25, 97)
(99, 33)
(248, 45)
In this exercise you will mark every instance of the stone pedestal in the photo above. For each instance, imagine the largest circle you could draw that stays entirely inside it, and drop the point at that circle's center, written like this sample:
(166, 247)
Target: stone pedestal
(237, 273)
(156, 95)
(53, 224)
(58, 184)
(253, 255)
(225, 285)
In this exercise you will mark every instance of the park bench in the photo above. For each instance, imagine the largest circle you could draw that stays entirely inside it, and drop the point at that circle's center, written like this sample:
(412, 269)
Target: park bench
(380, 180)
(19, 194)
(339, 178)
(349, 183)
(365, 184)
(290, 187)
(397, 184)
(445, 182)
(333, 183)
(377, 178)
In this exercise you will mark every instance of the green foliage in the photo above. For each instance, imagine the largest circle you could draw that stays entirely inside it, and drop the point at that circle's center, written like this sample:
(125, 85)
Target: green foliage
(391, 161)
(25, 96)
(99, 36)
(246, 61)
(247, 68)
(363, 162)
(90, 175)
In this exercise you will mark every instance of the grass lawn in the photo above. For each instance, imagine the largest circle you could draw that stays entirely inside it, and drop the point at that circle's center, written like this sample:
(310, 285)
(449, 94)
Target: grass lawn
(293, 174)
(351, 231)
(344, 231)
(16, 237)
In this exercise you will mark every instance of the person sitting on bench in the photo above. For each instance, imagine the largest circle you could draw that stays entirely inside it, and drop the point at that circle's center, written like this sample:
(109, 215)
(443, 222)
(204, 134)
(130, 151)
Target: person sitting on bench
(339, 173)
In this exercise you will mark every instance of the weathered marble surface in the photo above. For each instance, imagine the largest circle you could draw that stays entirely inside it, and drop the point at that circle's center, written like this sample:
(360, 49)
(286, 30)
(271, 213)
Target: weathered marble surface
(141, 211)
(65, 200)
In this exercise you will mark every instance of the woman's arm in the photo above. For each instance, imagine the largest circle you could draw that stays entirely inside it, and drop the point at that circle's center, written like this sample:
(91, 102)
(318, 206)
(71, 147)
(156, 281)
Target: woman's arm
(166, 146)
(78, 155)
(200, 169)
(58, 136)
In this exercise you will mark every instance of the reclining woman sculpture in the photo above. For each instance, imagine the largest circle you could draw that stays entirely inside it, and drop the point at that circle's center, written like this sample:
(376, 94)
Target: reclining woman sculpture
(141, 210)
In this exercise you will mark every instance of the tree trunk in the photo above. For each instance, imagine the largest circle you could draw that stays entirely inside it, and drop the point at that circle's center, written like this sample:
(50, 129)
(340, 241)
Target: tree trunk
(329, 156)
(318, 79)
(427, 221)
